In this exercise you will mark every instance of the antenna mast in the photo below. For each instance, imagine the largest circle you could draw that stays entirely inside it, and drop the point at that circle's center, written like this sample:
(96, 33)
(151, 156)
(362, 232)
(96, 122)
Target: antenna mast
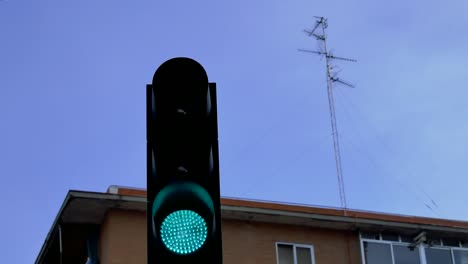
(332, 78)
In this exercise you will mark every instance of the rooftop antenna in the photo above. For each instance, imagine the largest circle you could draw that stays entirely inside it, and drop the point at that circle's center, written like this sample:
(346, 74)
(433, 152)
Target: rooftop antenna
(319, 33)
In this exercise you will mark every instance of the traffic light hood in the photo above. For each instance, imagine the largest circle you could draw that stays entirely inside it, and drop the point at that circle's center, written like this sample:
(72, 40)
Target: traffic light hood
(182, 191)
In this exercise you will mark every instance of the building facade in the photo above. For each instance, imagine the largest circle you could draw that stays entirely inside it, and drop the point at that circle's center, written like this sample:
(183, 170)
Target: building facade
(111, 228)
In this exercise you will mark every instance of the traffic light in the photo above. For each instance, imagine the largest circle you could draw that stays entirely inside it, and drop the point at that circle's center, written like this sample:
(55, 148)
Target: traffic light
(183, 209)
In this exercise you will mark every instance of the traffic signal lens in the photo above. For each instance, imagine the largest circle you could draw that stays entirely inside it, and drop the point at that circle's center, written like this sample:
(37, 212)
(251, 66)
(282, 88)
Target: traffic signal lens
(184, 231)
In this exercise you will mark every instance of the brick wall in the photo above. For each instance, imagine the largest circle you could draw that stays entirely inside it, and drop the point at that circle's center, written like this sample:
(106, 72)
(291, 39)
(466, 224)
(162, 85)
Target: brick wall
(123, 240)
(255, 243)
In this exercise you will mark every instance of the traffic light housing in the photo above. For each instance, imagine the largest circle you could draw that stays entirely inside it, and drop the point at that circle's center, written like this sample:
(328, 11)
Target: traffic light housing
(183, 209)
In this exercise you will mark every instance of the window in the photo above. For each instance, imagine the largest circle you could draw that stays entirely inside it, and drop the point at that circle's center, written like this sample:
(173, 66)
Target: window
(381, 253)
(461, 256)
(370, 235)
(390, 237)
(406, 255)
(294, 254)
(464, 244)
(438, 256)
(406, 239)
(384, 248)
(377, 253)
(451, 242)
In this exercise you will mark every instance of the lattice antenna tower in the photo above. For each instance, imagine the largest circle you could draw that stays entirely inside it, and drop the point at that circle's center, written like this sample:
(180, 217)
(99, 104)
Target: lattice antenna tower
(319, 33)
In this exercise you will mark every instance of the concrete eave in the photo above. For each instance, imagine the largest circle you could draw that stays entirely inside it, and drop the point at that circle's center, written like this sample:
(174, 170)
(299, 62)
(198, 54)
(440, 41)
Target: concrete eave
(90, 208)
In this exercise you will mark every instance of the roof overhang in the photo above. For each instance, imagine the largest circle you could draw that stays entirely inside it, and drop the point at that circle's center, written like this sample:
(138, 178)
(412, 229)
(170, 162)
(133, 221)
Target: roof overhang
(90, 208)
(87, 209)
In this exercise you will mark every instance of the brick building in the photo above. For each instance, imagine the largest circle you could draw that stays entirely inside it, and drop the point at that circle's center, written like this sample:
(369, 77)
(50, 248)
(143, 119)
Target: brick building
(111, 227)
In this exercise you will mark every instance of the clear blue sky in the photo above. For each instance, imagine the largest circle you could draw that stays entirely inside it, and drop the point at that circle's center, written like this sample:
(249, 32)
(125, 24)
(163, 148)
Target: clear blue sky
(72, 102)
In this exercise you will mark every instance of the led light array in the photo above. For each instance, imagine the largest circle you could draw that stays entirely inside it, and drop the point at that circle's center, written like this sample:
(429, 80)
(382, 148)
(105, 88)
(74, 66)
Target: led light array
(184, 231)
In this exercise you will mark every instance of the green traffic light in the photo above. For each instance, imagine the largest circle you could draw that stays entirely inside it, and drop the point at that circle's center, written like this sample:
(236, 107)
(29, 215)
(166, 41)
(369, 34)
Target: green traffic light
(184, 232)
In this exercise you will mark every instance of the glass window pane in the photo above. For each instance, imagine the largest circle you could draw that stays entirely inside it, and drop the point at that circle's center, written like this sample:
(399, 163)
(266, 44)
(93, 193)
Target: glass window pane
(408, 239)
(461, 256)
(390, 236)
(434, 242)
(303, 255)
(405, 255)
(377, 253)
(438, 256)
(449, 242)
(285, 254)
(464, 244)
(370, 235)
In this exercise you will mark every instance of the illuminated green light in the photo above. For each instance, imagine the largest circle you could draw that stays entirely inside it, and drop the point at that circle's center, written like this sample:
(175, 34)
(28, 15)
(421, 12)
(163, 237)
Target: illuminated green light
(183, 232)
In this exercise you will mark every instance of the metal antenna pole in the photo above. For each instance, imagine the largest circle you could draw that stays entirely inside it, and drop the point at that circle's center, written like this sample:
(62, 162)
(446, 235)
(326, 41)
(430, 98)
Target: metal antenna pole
(331, 78)
(336, 145)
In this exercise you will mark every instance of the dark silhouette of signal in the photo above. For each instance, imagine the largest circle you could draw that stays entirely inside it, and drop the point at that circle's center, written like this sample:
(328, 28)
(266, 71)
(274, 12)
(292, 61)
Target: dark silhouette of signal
(183, 210)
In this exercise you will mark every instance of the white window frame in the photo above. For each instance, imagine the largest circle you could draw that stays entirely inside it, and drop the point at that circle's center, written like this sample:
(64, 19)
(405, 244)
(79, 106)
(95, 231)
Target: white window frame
(421, 247)
(294, 245)
(390, 243)
(459, 249)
